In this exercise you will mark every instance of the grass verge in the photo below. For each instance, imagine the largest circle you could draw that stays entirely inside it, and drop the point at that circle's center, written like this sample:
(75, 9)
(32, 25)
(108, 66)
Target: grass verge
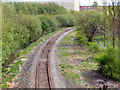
(75, 60)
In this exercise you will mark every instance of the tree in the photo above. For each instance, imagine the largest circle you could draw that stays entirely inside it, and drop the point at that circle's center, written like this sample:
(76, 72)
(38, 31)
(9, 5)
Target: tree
(8, 10)
(89, 23)
(113, 22)
(25, 9)
(95, 5)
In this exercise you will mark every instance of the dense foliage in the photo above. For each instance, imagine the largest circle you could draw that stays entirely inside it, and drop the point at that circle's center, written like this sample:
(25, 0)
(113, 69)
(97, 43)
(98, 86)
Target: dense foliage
(82, 40)
(49, 23)
(66, 20)
(38, 8)
(108, 63)
(25, 23)
(104, 27)
(89, 22)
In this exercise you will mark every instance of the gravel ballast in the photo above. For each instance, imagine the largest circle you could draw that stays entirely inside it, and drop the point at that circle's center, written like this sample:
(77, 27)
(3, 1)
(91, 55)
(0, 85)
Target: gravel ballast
(28, 71)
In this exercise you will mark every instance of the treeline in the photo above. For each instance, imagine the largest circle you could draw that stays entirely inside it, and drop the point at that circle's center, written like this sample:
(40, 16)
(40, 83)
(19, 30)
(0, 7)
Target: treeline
(24, 23)
(37, 8)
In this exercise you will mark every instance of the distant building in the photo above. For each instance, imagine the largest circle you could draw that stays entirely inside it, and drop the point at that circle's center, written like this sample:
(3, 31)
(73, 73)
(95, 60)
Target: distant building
(69, 5)
(82, 8)
(86, 8)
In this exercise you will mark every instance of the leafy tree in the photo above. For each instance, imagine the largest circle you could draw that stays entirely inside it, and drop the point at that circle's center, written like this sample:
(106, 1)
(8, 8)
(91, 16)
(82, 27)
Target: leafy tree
(110, 23)
(89, 22)
(66, 20)
(49, 23)
(8, 10)
(25, 10)
(95, 4)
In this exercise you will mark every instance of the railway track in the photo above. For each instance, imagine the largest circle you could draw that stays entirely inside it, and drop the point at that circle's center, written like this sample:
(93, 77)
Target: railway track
(43, 76)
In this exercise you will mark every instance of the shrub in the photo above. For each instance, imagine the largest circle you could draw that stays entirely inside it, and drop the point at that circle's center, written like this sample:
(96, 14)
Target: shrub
(95, 47)
(108, 62)
(81, 38)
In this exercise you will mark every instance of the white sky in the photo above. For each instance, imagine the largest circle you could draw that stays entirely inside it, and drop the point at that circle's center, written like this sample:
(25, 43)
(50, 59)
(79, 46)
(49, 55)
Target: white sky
(82, 2)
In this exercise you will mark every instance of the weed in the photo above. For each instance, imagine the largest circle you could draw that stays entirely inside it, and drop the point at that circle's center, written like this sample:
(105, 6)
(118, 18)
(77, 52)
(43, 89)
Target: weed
(74, 58)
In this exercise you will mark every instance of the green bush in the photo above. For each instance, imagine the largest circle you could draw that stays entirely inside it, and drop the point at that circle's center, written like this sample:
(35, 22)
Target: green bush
(95, 47)
(108, 63)
(81, 38)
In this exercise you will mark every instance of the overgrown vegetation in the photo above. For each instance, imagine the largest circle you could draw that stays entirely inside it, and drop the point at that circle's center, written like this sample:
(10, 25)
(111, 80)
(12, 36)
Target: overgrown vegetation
(22, 25)
(10, 73)
(101, 26)
(24, 28)
(25, 23)
(38, 8)
(89, 22)
(75, 60)
(66, 20)
(108, 63)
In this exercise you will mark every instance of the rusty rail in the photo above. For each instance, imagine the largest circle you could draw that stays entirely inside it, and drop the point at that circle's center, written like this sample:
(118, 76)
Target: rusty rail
(45, 53)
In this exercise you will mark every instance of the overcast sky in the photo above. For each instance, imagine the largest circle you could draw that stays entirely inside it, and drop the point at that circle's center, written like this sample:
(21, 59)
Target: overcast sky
(82, 2)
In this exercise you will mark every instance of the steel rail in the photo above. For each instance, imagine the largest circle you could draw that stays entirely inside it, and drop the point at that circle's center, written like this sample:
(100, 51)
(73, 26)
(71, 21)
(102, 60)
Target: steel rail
(48, 46)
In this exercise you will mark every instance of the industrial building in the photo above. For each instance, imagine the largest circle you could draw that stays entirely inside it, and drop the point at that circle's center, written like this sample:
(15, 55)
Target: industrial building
(69, 4)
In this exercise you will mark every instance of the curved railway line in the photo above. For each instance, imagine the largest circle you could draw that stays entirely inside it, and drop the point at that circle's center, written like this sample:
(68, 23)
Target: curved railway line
(41, 70)
(43, 76)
